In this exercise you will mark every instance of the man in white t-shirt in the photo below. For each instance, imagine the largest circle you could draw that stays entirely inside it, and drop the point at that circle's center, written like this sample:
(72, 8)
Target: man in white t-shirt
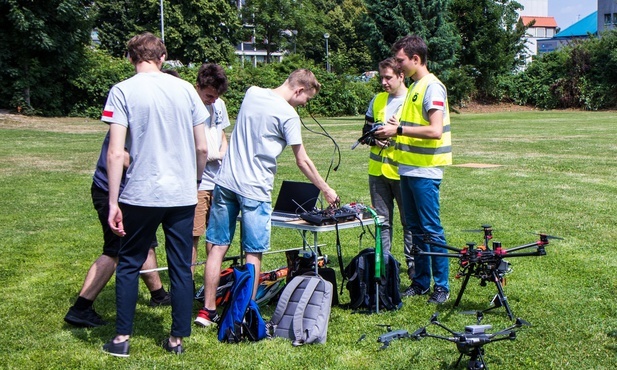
(267, 122)
(159, 119)
(383, 177)
(211, 84)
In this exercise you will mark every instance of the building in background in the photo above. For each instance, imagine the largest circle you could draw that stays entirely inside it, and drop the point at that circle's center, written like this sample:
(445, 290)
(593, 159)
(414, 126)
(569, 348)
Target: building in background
(579, 30)
(607, 15)
(535, 16)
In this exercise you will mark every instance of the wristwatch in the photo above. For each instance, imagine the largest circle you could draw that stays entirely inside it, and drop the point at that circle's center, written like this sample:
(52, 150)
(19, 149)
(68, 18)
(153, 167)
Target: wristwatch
(399, 130)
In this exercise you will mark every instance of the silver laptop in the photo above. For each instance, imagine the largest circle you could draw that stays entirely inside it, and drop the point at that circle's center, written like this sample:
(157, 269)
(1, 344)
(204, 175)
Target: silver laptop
(293, 199)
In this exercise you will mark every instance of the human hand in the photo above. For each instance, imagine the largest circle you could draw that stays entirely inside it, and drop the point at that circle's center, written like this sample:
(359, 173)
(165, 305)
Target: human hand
(386, 131)
(332, 198)
(382, 143)
(115, 220)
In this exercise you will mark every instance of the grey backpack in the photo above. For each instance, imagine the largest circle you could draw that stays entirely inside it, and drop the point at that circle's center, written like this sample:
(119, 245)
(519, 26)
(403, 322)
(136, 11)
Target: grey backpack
(303, 310)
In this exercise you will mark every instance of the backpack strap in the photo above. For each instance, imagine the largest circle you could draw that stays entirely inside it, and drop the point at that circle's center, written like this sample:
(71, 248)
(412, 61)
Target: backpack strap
(339, 254)
(298, 326)
(285, 296)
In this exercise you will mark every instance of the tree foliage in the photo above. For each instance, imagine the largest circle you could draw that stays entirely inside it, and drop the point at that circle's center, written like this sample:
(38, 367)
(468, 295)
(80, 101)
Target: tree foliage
(194, 31)
(387, 21)
(42, 45)
(491, 39)
(580, 75)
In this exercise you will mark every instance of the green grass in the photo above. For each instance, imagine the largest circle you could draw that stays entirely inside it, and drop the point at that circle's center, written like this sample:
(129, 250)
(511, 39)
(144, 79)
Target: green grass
(557, 174)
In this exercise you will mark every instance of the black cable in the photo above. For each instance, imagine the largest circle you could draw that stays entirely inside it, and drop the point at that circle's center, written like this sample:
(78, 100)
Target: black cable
(326, 134)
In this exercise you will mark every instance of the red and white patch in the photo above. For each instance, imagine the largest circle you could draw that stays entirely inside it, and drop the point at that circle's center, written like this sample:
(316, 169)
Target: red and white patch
(108, 111)
(438, 103)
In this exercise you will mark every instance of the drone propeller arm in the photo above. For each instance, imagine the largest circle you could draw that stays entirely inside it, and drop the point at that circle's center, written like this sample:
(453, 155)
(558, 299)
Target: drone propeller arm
(442, 245)
(449, 339)
(539, 252)
(443, 327)
(530, 245)
(436, 254)
(495, 338)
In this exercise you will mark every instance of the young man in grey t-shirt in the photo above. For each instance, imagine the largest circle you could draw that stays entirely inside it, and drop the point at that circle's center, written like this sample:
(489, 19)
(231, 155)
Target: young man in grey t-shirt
(267, 122)
(159, 118)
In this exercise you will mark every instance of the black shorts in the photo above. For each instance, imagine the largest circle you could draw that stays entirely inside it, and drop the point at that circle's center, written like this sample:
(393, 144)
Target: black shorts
(111, 241)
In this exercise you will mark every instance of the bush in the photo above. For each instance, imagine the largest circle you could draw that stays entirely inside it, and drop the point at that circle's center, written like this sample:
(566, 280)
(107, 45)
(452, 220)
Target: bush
(580, 75)
(339, 95)
(99, 72)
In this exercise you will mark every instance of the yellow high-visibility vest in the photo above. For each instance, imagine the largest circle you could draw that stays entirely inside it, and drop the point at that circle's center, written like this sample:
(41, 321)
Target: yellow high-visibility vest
(381, 160)
(417, 152)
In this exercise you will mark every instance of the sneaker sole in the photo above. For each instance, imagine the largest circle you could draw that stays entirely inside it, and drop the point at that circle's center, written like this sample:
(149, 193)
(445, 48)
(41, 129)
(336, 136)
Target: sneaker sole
(437, 302)
(203, 322)
(75, 321)
(117, 354)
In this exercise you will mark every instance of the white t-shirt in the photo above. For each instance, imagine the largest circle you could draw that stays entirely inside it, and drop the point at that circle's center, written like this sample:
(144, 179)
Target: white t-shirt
(266, 124)
(159, 111)
(219, 120)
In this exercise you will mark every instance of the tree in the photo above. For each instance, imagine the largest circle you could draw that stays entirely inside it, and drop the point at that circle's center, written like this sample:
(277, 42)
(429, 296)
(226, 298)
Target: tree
(195, 31)
(491, 40)
(386, 21)
(42, 45)
(349, 52)
(270, 19)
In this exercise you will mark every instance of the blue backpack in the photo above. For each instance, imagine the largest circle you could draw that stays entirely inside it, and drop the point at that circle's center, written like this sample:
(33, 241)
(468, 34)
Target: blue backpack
(241, 318)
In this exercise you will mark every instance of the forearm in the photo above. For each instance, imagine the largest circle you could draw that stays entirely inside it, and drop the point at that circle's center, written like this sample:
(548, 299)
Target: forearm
(201, 149)
(307, 167)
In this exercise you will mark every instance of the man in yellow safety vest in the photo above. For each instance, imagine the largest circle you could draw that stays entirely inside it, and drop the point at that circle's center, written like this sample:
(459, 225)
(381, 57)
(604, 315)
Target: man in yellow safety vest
(383, 176)
(423, 148)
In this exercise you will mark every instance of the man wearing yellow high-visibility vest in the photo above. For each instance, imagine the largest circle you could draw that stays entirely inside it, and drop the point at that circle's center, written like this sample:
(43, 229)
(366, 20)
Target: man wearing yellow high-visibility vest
(423, 148)
(383, 176)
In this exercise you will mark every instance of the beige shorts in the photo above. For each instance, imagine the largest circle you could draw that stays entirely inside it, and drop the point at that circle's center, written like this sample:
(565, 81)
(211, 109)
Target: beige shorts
(202, 211)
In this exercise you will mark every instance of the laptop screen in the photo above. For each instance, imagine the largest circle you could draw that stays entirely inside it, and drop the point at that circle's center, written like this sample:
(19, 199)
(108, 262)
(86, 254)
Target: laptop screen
(296, 197)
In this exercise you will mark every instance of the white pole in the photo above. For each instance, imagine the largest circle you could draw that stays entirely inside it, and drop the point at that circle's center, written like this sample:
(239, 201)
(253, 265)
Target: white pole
(162, 24)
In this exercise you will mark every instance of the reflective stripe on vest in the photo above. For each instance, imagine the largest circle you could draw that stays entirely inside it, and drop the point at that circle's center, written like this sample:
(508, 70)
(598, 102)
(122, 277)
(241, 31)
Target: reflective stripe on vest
(423, 152)
(381, 160)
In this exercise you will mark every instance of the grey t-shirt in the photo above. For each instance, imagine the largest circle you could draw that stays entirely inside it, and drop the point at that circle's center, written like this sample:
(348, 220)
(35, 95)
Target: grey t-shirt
(266, 124)
(159, 111)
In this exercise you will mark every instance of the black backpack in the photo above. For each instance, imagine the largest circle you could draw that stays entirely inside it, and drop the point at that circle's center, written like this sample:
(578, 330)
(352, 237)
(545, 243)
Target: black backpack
(361, 282)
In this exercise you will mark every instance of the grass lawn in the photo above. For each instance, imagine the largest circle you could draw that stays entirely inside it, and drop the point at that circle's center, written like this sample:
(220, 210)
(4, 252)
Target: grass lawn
(555, 172)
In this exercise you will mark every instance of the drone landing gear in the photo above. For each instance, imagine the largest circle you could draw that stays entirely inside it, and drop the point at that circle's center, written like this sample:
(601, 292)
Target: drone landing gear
(500, 300)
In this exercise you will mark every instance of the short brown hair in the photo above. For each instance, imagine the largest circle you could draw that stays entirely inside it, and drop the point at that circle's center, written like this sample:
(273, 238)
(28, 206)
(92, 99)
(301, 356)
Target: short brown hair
(212, 75)
(412, 44)
(145, 48)
(392, 64)
(304, 78)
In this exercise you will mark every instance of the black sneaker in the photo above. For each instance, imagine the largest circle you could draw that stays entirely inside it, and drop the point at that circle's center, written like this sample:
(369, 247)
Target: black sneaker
(414, 290)
(176, 350)
(117, 349)
(87, 318)
(440, 295)
(165, 301)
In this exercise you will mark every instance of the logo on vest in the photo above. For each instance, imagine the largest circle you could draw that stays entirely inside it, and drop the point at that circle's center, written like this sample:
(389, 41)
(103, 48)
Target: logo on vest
(415, 97)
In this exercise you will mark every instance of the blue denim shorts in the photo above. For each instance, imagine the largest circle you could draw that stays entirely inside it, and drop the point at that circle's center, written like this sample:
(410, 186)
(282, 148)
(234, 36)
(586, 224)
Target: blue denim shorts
(255, 223)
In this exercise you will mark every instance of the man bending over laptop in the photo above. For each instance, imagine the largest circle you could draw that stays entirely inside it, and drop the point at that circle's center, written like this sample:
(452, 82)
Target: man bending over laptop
(267, 122)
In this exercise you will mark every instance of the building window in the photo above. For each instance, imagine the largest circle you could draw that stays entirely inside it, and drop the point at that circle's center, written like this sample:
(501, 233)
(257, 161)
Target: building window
(540, 32)
(607, 19)
(614, 18)
(550, 32)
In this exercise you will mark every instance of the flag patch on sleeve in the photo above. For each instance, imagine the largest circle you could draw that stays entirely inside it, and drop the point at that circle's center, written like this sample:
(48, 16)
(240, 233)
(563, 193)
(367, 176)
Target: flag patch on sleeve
(438, 103)
(108, 111)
